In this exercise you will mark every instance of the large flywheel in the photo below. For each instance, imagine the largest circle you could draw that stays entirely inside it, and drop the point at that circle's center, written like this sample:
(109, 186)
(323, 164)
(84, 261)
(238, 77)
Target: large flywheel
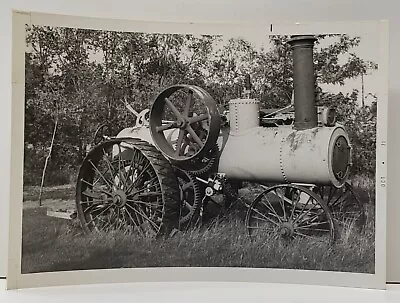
(127, 185)
(184, 123)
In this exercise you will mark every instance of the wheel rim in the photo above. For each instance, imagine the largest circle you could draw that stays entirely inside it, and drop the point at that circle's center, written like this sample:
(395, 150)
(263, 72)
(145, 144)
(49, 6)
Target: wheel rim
(101, 134)
(119, 189)
(290, 211)
(192, 115)
(347, 209)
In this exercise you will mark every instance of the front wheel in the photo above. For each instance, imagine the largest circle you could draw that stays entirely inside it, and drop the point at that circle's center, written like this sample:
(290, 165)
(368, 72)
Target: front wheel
(290, 211)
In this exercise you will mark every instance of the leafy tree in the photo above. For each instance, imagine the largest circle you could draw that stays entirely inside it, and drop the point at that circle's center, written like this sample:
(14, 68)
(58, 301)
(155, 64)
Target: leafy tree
(83, 77)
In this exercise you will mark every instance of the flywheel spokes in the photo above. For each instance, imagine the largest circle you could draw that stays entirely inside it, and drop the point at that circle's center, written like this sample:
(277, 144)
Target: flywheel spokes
(184, 122)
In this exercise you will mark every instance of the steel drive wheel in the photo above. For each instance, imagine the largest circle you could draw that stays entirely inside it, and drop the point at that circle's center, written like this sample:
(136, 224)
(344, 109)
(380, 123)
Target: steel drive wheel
(184, 122)
(347, 209)
(127, 185)
(290, 211)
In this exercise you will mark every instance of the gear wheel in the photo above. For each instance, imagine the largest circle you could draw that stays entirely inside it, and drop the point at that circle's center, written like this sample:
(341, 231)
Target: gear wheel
(190, 198)
(206, 164)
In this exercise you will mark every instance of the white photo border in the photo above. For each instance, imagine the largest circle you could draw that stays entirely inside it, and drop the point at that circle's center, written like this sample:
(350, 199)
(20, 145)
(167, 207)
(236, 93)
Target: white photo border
(17, 280)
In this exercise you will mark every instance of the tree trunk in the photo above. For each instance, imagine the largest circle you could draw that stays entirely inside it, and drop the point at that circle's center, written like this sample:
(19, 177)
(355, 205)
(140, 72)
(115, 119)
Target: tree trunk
(47, 161)
(362, 91)
(80, 152)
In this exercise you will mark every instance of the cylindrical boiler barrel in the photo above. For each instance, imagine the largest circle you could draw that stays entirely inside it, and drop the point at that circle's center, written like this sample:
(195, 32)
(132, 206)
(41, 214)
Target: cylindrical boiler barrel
(284, 155)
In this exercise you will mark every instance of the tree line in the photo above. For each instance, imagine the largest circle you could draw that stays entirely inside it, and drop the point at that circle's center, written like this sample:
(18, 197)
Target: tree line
(81, 78)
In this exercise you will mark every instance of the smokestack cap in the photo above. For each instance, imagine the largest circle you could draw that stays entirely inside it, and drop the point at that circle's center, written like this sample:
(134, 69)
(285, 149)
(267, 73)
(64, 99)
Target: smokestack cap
(302, 41)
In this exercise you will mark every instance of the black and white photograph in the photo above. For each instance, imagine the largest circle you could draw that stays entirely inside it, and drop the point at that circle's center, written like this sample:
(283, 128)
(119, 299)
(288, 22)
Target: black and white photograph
(153, 150)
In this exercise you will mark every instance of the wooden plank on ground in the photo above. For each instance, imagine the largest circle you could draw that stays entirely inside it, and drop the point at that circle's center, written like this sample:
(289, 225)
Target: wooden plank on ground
(59, 214)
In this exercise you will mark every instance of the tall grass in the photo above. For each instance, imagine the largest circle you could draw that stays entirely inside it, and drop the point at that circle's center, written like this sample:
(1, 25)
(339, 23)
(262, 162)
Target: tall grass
(50, 244)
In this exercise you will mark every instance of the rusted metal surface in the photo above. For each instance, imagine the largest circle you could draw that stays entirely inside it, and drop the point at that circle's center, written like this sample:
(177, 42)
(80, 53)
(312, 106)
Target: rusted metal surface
(283, 155)
(304, 82)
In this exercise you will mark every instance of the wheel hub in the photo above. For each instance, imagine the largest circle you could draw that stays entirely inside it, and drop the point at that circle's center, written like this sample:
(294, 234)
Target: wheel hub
(182, 123)
(119, 198)
(286, 229)
(209, 191)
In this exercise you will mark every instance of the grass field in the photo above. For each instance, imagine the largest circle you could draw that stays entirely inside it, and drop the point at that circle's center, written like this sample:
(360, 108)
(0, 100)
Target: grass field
(52, 244)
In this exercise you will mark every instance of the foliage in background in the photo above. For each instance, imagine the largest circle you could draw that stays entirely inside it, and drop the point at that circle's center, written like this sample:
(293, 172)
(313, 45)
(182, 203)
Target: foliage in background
(88, 74)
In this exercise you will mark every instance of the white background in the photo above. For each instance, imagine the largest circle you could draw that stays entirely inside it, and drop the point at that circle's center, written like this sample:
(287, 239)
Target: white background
(200, 292)
(218, 10)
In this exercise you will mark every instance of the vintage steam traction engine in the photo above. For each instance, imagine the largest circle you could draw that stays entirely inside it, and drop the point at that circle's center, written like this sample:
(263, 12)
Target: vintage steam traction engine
(159, 175)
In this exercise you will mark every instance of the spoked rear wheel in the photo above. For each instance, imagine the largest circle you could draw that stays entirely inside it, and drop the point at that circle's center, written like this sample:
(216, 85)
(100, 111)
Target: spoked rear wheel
(290, 211)
(127, 185)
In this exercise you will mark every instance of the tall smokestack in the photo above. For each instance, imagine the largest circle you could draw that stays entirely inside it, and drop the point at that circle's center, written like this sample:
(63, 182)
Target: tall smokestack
(304, 82)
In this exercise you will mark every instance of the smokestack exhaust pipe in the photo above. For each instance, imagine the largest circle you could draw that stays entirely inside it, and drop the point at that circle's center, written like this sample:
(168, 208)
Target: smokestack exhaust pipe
(306, 116)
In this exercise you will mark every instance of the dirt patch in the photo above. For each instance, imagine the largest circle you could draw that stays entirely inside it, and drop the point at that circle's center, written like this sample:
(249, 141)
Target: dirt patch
(63, 192)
